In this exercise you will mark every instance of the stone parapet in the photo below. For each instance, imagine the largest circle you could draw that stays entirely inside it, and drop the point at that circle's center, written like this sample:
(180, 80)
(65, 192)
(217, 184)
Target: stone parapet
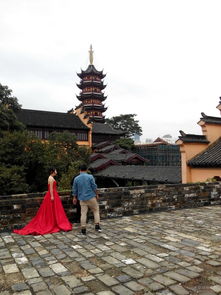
(17, 210)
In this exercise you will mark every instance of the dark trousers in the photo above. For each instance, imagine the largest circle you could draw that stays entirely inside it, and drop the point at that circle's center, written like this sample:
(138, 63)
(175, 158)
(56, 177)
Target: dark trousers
(77, 214)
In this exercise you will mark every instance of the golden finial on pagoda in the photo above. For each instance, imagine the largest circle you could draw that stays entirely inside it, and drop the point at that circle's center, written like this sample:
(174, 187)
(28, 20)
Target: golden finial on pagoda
(91, 57)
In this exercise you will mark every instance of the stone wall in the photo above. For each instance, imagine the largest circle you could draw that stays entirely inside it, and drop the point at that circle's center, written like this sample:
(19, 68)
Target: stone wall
(17, 210)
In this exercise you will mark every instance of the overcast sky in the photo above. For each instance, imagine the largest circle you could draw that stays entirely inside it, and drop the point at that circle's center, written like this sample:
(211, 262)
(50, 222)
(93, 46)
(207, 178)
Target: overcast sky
(162, 57)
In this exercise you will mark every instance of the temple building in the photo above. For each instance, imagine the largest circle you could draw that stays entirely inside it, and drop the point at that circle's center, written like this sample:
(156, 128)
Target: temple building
(91, 108)
(115, 166)
(91, 95)
(201, 154)
(86, 121)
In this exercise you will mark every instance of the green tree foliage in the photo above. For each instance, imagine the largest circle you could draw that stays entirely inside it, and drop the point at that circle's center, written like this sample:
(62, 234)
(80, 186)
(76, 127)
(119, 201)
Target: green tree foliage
(25, 159)
(126, 123)
(8, 106)
(125, 143)
(12, 180)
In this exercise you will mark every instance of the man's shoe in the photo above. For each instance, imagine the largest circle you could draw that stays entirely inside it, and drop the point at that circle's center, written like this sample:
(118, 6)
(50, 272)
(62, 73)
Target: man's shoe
(98, 228)
(83, 231)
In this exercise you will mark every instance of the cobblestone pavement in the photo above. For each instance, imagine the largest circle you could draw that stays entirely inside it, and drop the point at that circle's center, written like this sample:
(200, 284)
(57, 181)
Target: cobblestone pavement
(176, 252)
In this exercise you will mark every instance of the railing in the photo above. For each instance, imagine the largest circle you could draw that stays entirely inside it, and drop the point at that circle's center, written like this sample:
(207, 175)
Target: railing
(17, 210)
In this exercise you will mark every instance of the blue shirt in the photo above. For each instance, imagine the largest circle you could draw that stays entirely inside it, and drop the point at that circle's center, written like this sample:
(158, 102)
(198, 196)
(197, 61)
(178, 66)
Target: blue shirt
(84, 187)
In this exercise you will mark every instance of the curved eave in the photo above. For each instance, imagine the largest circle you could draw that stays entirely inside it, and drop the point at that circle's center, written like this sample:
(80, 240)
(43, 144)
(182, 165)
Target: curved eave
(97, 119)
(93, 107)
(85, 84)
(91, 95)
(83, 75)
(91, 70)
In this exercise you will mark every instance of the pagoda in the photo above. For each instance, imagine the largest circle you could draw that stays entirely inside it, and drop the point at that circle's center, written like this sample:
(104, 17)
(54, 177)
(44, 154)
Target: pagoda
(91, 95)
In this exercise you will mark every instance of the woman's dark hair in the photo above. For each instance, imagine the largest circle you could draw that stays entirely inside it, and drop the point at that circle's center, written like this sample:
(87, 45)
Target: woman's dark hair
(51, 170)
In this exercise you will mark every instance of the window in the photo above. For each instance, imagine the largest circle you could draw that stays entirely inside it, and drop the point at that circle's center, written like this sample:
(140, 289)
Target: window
(82, 136)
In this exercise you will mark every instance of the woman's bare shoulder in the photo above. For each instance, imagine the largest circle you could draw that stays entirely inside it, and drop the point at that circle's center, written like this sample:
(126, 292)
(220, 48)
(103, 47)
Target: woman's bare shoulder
(50, 179)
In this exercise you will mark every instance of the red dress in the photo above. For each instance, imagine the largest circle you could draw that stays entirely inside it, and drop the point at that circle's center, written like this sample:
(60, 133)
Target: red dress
(50, 217)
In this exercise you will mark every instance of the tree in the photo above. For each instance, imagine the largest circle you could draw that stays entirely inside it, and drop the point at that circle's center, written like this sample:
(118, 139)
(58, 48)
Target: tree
(126, 123)
(125, 143)
(8, 106)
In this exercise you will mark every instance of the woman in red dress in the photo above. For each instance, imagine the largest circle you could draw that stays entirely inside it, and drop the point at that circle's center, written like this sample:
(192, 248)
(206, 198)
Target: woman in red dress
(51, 216)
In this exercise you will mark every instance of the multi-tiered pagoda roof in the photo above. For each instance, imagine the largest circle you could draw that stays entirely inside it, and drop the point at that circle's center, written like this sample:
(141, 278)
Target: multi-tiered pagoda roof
(91, 95)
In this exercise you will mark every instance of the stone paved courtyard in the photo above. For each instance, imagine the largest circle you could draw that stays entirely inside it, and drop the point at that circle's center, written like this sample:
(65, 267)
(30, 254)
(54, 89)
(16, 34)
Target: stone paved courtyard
(176, 252)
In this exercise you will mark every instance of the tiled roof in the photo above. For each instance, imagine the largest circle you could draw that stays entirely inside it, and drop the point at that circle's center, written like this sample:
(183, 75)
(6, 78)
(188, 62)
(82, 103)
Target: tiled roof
(193, 138)
(210, 157)
(96, 156)
(35, 118)
(105, 128)
(210, 119)
(91, 70)
(169, 174)
(118, 156)
(106, 149)
(101, 144)
(101, 164)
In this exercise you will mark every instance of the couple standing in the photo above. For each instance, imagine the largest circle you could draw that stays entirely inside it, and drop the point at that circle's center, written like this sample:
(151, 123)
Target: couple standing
(84, 189)
(51, 216)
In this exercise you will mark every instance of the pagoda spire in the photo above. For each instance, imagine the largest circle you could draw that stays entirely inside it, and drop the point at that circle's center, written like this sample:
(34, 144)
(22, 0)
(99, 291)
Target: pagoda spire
(91, 55)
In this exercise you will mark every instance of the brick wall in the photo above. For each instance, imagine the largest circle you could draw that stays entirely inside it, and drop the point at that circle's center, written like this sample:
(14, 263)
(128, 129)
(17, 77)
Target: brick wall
(17, 210)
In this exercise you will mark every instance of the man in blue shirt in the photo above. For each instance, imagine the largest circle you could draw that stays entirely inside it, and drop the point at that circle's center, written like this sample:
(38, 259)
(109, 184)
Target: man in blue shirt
(85, 190)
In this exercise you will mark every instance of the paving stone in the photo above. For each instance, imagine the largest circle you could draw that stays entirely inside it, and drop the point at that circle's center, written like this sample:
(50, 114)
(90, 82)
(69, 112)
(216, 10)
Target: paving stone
(188, 273)
(123, 278)
(105, 293)
(29, 273)
(58, 268)
(179, 290)
(216, 279)
(213, 263)
(95, 270)
(19, 287)
(45, 292)
(10, 268)
(62, 290)
(80, 290)
(178, 277)
(163, 280)
(216, 288)
(26, 292)
(39, 286)
(134, 286)
(132, 272)
(148, 263)
(72, 281)
(108, 280)
(88, 278)
(122, 290)
(165, 292)
(155, 286)
(45, 272)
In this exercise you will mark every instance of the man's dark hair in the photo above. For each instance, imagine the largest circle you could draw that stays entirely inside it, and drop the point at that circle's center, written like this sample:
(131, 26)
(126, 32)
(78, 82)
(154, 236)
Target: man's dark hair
(83, 167)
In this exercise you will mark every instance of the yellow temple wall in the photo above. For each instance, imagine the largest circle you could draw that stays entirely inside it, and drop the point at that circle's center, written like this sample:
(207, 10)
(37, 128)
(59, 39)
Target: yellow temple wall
(211, 131)
(203, 174)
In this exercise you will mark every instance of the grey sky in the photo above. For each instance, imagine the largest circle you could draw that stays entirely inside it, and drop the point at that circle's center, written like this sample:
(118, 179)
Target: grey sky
(162, 57)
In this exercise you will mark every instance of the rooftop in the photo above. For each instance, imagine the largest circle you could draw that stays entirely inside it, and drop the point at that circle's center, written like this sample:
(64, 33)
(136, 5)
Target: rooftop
(210, 157)
(48, 119)
(193, 138)
(170, 174)
(105, 129)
